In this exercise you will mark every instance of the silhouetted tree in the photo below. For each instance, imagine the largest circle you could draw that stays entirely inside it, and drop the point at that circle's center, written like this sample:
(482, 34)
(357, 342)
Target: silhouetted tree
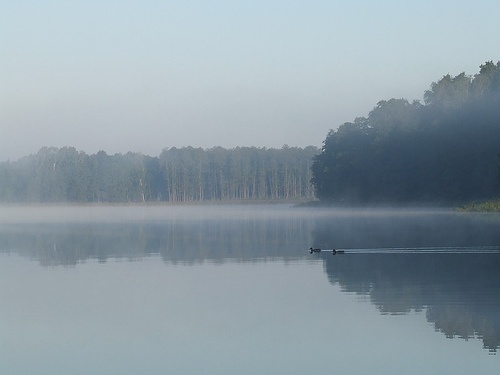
(443, 151)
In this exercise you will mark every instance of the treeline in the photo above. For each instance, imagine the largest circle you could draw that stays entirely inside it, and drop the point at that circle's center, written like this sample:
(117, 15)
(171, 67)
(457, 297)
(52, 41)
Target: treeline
(177, 175)
(445, 150)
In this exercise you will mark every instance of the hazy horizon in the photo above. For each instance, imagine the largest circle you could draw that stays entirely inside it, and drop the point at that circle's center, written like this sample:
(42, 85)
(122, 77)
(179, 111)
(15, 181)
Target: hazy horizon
(143, 76)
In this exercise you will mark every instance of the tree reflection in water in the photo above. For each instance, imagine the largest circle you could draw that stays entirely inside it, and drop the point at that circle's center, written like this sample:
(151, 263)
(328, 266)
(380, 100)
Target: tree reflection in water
(460, 293)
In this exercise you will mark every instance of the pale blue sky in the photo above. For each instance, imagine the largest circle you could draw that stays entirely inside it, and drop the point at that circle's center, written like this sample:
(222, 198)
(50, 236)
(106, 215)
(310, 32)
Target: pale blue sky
(143, 75)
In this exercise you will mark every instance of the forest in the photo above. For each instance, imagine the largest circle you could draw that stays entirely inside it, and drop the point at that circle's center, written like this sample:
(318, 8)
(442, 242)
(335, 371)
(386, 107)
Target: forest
(177, 175)
(443, 151)
(446, 150)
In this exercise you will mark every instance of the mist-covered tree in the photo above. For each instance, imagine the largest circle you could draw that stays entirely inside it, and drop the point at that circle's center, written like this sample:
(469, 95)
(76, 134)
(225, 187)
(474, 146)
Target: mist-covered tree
(442, 151)
(177, 175)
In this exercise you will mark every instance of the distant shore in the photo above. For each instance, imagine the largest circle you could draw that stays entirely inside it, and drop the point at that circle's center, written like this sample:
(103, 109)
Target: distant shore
(489, 206)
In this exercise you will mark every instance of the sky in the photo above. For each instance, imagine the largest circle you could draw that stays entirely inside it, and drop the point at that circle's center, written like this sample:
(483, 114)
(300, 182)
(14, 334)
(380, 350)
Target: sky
(146, 75)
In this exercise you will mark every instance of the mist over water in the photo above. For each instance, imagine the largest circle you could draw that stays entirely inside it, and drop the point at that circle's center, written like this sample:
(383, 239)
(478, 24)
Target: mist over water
(67, 235)
(218, 273)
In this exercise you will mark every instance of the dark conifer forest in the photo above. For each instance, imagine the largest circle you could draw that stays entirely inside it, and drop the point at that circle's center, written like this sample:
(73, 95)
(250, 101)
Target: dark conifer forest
(177, 175)
(443, 151)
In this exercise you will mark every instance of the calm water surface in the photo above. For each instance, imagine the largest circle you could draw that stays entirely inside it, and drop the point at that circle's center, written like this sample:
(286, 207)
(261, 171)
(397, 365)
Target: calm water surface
(233, 290)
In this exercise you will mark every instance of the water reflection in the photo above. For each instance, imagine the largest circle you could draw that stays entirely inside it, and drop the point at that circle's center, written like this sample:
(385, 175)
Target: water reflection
(460, 293)
(260, 234)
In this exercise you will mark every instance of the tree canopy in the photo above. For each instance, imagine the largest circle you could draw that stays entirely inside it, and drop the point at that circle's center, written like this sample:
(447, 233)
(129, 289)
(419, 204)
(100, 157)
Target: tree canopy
(176, 175)
(445, 150)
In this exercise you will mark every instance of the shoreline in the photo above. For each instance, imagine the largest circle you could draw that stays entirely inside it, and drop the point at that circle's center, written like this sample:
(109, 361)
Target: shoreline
(488, 206)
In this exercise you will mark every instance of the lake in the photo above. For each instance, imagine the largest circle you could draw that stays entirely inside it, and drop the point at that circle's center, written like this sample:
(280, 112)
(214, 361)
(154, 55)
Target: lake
(232, 289)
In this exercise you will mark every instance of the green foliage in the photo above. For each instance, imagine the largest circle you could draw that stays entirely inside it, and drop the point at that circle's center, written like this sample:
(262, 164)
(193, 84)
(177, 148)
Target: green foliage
(443, 151)
(177, 175)
(490, 206)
